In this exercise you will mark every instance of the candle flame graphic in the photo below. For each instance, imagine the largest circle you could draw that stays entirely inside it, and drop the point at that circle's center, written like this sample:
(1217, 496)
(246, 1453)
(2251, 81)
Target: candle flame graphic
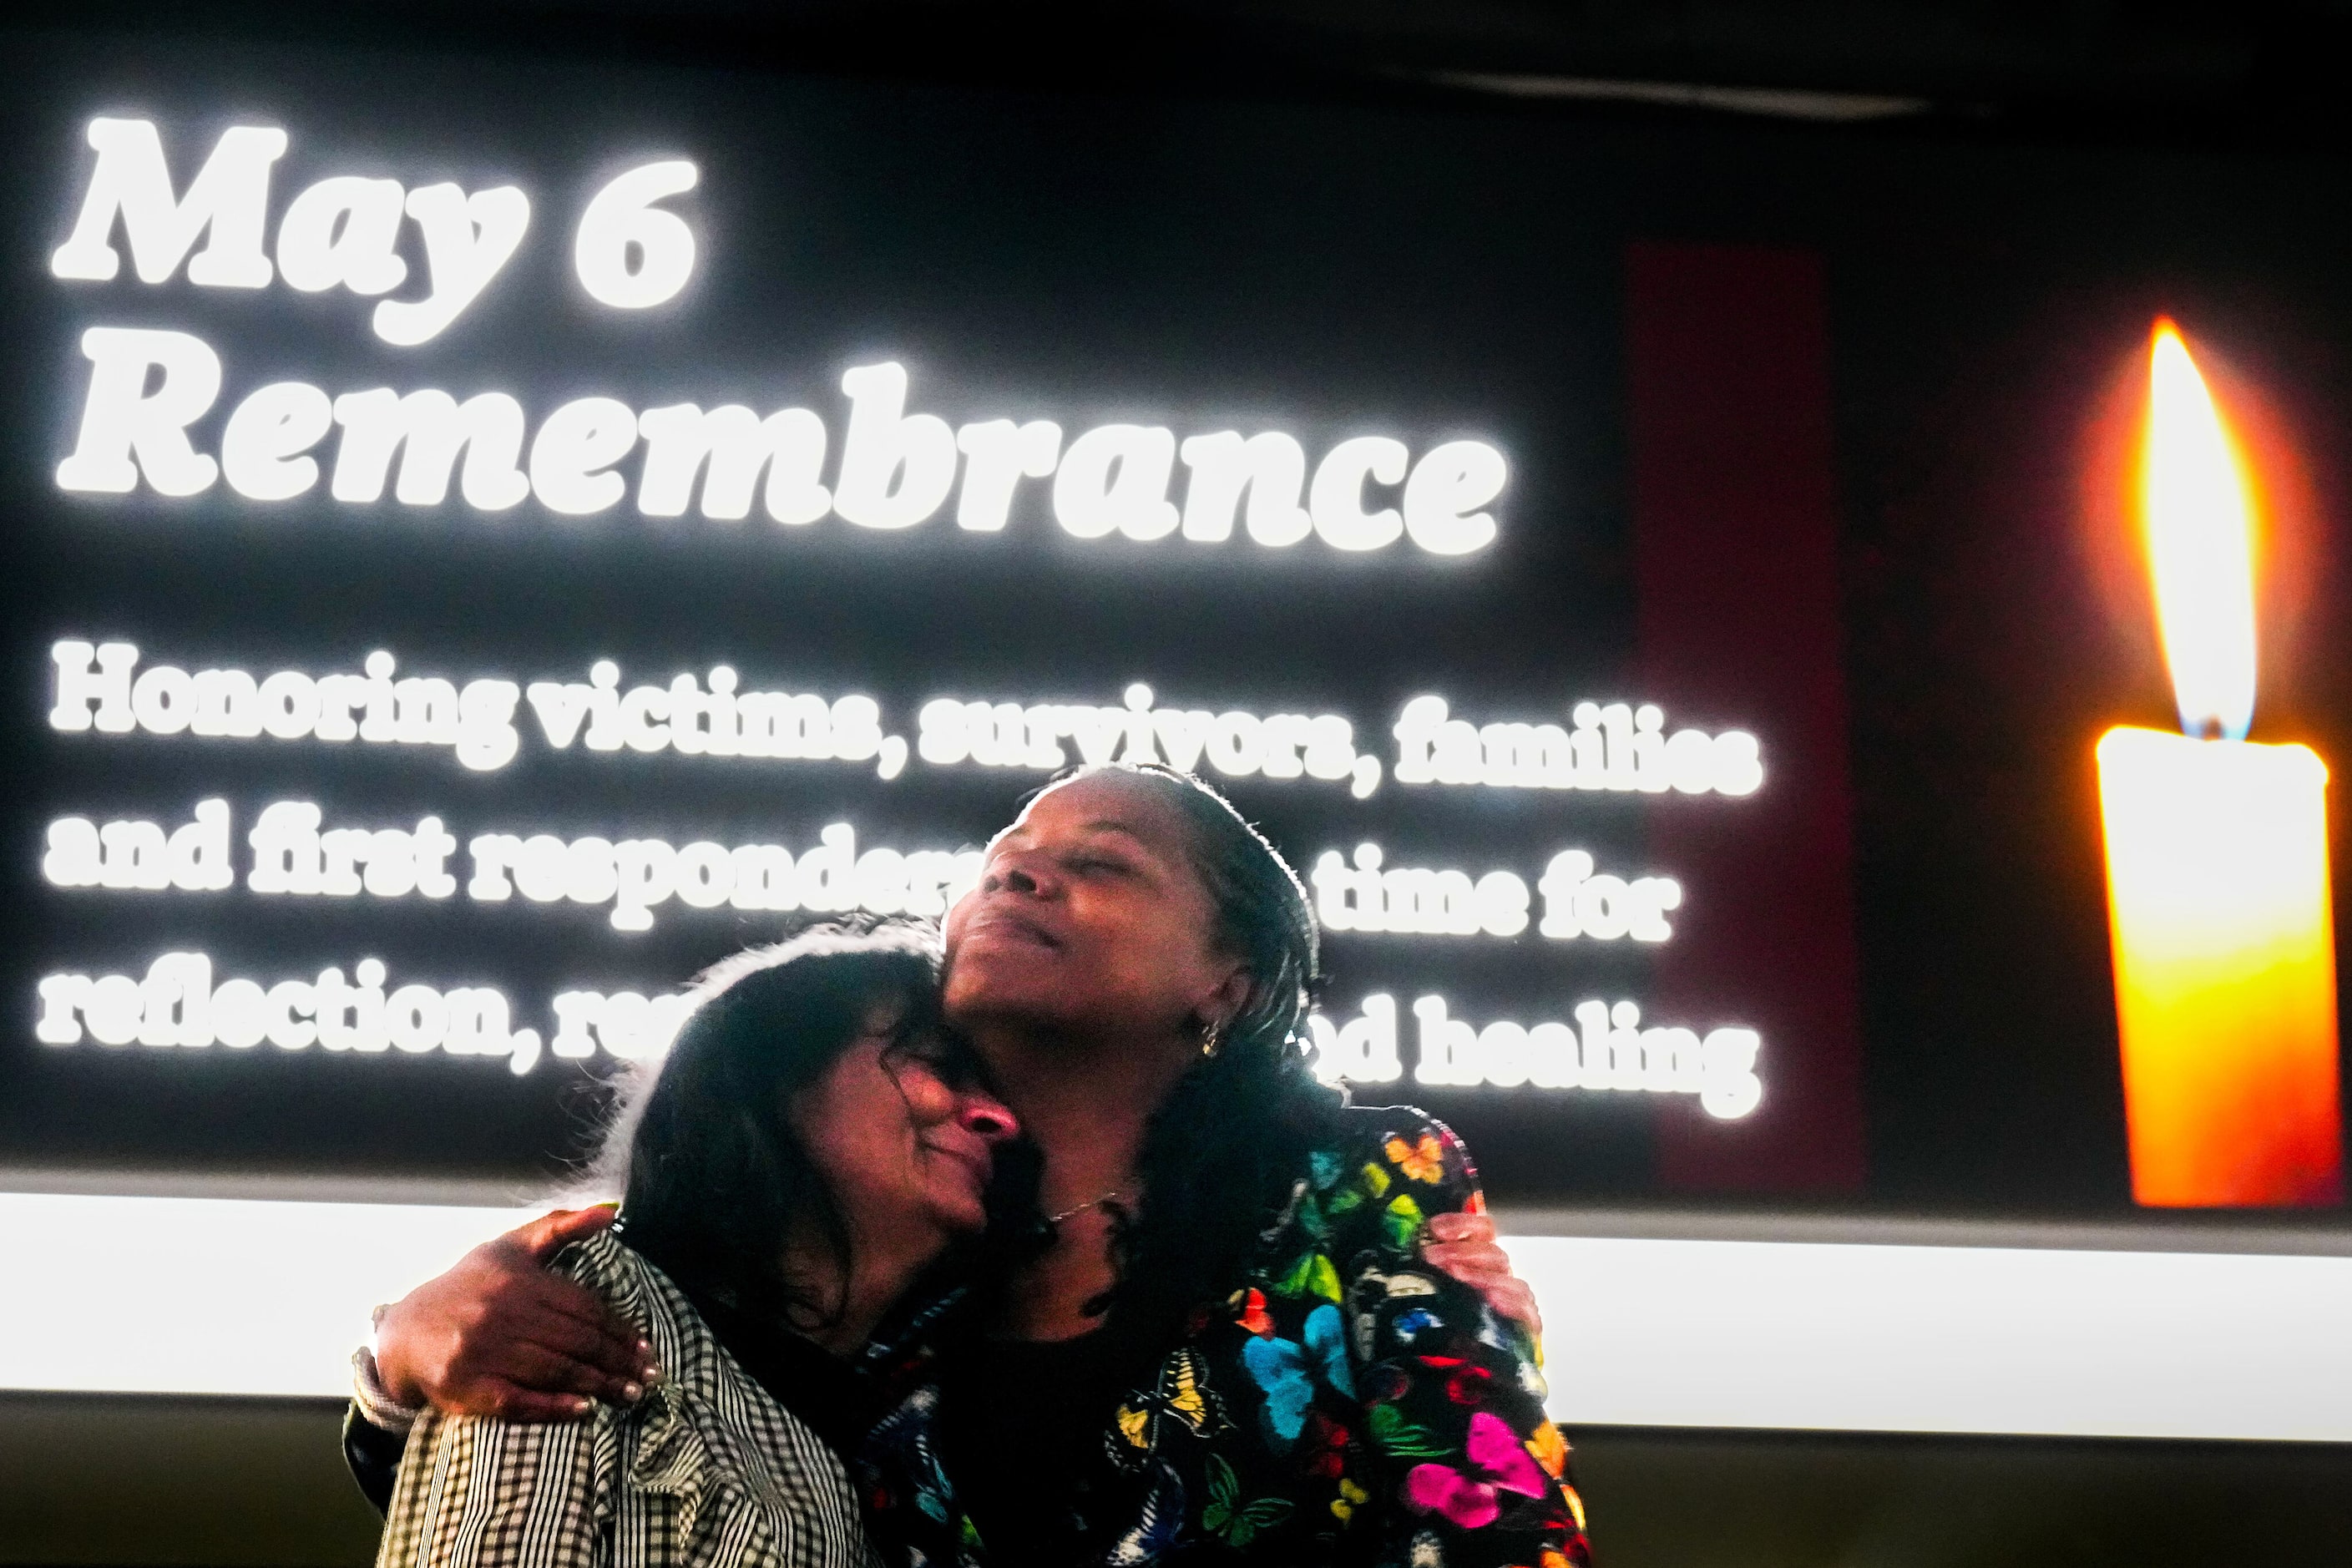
(2199, 526)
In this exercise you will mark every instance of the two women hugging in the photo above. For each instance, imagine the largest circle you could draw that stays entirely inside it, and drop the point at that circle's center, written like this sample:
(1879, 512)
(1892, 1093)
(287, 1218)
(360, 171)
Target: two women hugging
(1036, 1246)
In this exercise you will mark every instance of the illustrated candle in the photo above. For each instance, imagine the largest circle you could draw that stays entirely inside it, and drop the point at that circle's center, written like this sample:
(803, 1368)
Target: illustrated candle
(2217, 862)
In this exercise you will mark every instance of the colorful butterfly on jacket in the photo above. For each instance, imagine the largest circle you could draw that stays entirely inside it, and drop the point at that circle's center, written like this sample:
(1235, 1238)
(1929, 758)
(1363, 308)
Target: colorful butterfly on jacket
(1287, 1371)
(1183, 1396)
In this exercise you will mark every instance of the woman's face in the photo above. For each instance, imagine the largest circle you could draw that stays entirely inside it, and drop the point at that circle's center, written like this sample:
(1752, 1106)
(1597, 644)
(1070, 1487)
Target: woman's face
(906, 1142)
(1088, 920)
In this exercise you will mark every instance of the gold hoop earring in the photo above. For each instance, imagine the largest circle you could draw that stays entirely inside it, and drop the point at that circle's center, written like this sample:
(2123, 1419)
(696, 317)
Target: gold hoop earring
(1213, 1039)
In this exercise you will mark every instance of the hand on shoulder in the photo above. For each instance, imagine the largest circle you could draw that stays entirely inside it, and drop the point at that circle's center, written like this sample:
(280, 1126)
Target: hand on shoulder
(500, 1335)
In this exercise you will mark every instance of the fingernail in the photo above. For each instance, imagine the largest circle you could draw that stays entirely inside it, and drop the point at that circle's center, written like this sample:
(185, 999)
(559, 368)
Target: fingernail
(581, 1405)
(632, 1393)
(644, 1346)
(653, 1375)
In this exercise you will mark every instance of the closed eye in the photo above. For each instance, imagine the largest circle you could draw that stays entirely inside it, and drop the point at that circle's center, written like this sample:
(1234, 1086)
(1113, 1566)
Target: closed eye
(1107, 865)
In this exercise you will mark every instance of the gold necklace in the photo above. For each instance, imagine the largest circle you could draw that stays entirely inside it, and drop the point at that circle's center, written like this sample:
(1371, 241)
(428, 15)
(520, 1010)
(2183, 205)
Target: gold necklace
(1055, 1220)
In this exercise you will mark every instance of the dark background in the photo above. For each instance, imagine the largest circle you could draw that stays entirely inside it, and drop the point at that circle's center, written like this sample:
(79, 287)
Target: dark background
(1203, 248)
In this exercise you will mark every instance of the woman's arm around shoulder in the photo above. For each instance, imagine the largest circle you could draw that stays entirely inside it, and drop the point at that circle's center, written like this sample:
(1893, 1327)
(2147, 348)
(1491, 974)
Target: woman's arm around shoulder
(489, 1491)
(499, 1334)
(1476, 1474)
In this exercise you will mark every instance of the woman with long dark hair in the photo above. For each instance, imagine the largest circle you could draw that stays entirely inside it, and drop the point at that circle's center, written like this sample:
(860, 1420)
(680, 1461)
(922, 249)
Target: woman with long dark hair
(1229, 1344)
(812, 1143)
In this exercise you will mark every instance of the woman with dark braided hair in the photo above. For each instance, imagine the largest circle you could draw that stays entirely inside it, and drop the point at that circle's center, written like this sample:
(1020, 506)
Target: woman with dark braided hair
(1231, 1344)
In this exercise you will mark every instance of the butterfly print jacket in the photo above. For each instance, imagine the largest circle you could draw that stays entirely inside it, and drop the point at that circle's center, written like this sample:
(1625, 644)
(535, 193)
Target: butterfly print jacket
(1345, 1405)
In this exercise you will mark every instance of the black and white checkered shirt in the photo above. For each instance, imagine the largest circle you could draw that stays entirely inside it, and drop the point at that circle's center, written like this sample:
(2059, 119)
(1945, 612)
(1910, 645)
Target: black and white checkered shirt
(707, 1471)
